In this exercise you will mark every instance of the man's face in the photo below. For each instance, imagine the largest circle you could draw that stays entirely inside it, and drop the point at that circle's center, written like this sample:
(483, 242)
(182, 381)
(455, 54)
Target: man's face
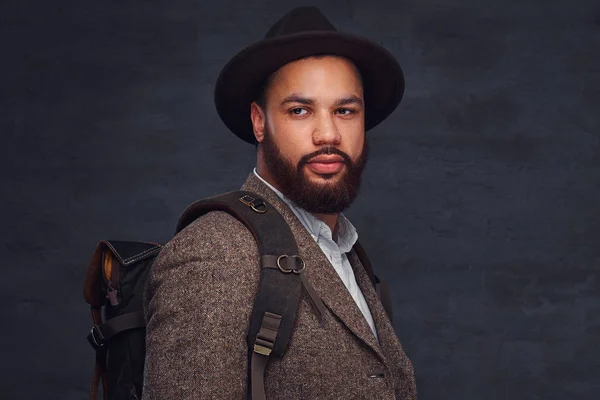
(315, 112)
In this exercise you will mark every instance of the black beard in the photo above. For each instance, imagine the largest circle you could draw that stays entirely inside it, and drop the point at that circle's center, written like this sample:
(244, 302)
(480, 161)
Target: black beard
(327, 198)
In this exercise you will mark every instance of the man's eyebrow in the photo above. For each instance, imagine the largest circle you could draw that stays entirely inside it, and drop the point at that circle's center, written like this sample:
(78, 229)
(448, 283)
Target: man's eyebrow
(296, 98)
(349, 100)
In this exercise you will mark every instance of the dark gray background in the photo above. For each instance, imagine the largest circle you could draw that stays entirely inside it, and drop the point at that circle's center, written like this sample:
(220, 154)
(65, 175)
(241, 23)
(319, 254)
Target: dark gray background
(479, 203)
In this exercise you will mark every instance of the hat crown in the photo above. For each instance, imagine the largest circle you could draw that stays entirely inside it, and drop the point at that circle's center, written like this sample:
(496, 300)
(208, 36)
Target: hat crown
(300, 19)
(303, 32)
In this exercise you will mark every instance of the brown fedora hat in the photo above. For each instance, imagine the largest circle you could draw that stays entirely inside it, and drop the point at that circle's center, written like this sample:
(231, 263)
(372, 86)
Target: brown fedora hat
(302, 32)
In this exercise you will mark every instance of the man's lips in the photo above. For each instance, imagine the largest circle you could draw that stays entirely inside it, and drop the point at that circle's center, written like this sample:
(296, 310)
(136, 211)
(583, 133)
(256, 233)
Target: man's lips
(326, 159)
(326, 164)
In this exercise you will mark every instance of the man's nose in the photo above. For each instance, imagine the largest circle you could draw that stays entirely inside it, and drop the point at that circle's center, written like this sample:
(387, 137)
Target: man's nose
(326, 130)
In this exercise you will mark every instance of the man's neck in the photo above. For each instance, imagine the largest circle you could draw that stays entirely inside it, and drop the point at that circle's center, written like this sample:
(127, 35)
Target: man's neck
(329, 219)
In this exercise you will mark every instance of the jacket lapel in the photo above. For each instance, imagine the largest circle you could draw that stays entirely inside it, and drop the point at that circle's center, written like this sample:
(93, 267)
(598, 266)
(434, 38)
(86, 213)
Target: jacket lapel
(395, 358)
(320, 273)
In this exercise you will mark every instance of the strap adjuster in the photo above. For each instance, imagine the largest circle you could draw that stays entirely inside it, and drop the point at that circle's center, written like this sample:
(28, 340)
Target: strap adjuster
(265, 351)
(265, 339)
(96, 338)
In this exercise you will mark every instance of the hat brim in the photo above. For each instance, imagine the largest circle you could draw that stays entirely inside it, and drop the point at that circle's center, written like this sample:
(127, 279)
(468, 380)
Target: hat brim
(242, 77)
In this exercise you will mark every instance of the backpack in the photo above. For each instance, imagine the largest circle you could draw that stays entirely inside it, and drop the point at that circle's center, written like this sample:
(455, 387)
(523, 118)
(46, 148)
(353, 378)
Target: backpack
(116, 276)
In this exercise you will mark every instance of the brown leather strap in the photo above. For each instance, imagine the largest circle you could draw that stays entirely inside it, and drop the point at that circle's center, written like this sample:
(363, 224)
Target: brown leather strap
(380, 286)
(95, 381)
(314, 297)
(258, 365)
(100, 367)
(270, 261)
(105, 385)
(260, 356)
(364, 260)
(383, 291)
(100, 335)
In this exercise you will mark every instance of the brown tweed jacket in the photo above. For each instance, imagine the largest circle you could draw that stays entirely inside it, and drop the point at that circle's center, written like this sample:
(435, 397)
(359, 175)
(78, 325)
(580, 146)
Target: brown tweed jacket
(198, 302)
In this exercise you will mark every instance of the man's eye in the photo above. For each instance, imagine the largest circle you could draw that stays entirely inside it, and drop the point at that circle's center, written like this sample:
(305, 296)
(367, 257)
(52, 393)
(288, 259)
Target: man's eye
(345, 111)
(297, 111)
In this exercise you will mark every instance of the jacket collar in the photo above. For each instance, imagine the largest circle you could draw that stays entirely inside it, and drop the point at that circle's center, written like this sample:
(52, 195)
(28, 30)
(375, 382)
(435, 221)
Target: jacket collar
(321, 273)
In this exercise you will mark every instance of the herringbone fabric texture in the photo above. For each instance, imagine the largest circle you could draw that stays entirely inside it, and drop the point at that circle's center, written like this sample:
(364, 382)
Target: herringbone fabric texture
(198, 302)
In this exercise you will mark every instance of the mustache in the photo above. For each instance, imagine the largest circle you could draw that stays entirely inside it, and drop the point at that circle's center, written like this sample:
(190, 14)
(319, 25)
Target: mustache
(325, 151)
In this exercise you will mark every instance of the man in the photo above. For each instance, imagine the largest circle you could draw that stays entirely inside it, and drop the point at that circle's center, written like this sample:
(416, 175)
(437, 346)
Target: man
(305, 96)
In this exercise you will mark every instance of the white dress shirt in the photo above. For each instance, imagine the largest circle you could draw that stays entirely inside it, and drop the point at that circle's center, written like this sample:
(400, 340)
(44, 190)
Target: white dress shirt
(334, 250)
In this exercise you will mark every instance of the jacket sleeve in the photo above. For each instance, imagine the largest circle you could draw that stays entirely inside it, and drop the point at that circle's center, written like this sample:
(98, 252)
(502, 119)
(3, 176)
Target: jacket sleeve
(198, 301)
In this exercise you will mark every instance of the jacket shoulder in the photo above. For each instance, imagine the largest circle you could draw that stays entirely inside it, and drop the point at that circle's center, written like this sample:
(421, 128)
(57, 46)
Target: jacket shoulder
(204, 251)
(214, 233)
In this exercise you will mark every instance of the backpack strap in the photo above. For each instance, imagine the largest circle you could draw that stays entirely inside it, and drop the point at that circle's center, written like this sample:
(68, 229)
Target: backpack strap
(281, 277)
(101, 334)
(100, 364)
(381, 287)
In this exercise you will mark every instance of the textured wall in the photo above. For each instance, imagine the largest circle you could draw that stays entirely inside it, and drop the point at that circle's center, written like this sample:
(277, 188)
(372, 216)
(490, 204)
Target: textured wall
(479, 204)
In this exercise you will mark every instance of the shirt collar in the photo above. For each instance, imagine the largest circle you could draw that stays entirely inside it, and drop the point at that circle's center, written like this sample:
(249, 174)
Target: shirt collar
(346, 232)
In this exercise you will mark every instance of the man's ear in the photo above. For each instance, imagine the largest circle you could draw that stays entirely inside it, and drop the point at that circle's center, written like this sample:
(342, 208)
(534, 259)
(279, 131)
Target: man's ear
(258, 121)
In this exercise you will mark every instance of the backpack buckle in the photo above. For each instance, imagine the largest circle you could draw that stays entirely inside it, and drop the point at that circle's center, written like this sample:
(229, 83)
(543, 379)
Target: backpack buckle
(265, 351)
(95, 338)
(265, 338)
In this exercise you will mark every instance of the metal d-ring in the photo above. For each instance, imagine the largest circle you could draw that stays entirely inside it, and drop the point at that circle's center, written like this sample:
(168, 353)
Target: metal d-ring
(287, 270)
(257, 205)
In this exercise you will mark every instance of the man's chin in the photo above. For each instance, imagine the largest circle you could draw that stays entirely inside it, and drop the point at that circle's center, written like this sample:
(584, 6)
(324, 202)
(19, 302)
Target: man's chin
(317, 187)
(320, 182)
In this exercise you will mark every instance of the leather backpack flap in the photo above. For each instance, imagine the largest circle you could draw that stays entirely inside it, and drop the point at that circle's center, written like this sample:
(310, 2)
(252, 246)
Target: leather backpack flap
(130, 252)
(125, 266)
(107, 265)
(108, 256)
(93, 291)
